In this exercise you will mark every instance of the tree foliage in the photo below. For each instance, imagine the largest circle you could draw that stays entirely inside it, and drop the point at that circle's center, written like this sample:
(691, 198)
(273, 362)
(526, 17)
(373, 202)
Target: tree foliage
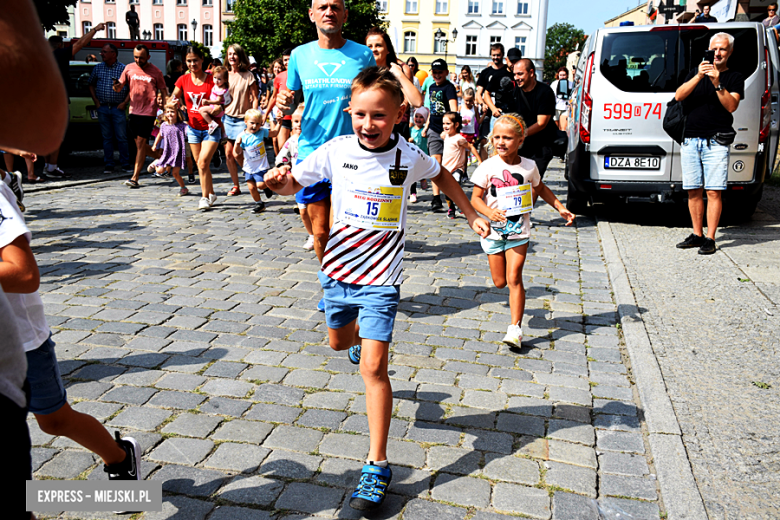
(265, 28)
(53, 11)
(562, 39)
(203, 49)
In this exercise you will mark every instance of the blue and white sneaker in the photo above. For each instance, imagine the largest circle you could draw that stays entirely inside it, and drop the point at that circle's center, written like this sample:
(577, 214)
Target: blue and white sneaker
(370, 491)
(354, 354)
(321, 305)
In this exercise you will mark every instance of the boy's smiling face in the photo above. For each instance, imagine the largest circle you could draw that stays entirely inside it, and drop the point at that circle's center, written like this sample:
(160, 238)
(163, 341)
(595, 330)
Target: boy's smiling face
(374, 114)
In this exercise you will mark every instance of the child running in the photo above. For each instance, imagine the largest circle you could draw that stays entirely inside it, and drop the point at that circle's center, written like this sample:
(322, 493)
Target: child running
(505, 188)
(251, 144)
(471, 116)
(172, 137)
(455, 153)
(371, 173)
(19, 279)
(288, 155)
(213, 107)
(416, 137)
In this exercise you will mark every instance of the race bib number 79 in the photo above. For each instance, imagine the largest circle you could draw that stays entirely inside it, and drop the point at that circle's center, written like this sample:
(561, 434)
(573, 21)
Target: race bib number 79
(374, 207)
(515, 200)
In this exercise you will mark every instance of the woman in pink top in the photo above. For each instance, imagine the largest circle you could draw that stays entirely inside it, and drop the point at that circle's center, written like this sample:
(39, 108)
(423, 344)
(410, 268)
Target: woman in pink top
(193, 88)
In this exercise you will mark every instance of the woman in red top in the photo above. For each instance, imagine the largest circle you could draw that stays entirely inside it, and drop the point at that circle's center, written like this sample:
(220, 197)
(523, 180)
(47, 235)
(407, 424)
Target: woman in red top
(191, 89)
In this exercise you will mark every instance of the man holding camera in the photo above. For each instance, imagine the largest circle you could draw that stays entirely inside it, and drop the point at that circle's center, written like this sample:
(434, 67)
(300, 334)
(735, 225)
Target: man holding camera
(711, 93)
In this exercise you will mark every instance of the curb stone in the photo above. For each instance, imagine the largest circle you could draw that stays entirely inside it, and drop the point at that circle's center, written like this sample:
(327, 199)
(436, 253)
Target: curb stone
(681, 496)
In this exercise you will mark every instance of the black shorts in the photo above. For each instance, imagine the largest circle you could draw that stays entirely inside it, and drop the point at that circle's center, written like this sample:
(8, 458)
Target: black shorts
(141, 126)
(287, 123)
(14, 434)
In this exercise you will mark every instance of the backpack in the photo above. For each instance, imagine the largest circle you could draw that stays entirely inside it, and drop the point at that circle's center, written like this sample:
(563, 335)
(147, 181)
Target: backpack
(674, 120)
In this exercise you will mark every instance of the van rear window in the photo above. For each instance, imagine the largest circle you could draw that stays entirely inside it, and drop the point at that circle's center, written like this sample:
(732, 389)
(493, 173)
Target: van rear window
(658, 61)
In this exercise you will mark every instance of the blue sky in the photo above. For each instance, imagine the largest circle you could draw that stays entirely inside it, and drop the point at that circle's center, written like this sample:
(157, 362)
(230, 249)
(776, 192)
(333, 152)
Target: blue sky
(586, 15)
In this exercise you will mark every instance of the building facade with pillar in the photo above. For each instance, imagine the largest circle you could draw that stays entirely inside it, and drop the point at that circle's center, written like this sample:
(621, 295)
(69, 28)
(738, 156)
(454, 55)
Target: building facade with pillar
(199, 20)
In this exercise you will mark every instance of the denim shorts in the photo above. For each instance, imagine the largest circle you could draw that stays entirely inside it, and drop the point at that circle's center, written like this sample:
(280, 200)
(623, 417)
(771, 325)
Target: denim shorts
(233, 126)
(47, 393)
(374, 307)
(198, 136)
(705, 163)
(494, 247)
(255, 177)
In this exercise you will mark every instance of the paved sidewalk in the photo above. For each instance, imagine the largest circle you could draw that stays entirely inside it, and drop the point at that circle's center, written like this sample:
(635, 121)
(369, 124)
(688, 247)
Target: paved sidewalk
(197, 333)
(714, 325)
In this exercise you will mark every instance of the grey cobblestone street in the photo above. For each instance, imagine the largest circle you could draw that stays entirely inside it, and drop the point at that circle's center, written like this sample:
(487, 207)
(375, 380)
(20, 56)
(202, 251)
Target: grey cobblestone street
(714, 325)
(197, 334)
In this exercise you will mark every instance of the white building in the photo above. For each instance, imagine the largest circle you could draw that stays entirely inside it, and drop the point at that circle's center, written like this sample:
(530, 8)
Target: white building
(198, 20)
(513, 23)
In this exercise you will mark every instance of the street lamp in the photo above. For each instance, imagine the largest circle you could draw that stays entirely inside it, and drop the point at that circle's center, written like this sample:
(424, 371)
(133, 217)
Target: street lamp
(194, 24)
(441, 37)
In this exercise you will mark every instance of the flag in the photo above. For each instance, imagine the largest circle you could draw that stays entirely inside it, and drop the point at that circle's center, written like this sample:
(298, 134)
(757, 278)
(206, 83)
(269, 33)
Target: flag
(652, 12)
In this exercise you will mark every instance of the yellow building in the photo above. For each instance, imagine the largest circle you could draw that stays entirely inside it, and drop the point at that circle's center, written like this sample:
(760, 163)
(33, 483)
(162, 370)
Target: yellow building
(638, 15)
(414, 24)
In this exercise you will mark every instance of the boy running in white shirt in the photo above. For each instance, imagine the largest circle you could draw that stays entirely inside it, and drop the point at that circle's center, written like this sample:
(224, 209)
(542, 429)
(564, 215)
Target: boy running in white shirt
(371, 173)
(251, 144)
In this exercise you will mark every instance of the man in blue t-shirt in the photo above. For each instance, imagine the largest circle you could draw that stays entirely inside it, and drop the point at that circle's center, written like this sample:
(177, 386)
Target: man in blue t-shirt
(324, 70)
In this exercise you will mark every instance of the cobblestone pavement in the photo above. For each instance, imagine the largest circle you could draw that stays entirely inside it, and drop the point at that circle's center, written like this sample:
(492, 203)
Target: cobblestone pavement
(714, 325)
(197, 333)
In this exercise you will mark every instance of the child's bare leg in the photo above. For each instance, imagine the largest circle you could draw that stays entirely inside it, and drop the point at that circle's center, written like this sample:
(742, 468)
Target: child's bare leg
(379, 395)
(83, 429)
(515, 259)
(205, 113)
(306, 220)
(177, 176)
(252, 187)
(497, 265)
(345, 337)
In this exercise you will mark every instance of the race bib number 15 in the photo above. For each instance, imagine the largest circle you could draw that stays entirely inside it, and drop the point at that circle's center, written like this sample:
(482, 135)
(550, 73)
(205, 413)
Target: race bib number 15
(515, 200)
(370, 207)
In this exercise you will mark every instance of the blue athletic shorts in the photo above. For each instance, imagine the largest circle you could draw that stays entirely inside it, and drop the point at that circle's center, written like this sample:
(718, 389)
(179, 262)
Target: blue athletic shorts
(374, 307)
(47, 393)
(314, 193)
(493, 247)
(255, 177)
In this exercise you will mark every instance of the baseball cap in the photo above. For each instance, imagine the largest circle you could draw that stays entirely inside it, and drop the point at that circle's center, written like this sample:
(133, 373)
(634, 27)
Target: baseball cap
(514, 54)
(439, 64)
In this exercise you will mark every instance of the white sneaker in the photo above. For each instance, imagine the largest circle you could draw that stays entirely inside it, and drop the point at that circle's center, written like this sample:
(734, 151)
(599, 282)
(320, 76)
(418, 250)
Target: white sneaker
(413, 198)
(212, 127)
(204, 203)
(514, 336)
(309, 244)
(212, 199)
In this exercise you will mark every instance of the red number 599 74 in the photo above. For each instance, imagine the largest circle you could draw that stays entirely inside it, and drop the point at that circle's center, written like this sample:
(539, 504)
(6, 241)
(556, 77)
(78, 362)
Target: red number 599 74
(628, 110)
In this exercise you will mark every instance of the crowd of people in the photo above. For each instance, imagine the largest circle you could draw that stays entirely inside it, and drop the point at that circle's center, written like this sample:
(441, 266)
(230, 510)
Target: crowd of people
(351, 142)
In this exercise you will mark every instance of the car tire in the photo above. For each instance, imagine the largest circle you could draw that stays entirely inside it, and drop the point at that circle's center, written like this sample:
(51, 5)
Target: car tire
(576, 202)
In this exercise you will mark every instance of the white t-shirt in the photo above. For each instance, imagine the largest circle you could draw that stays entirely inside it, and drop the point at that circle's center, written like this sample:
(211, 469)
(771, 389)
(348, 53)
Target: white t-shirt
(28, 308)
(469, 116)
(494, 172)
(370, 191)
(561, 100)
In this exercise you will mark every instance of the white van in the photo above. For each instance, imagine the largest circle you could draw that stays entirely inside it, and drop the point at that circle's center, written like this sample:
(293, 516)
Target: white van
(618, 149)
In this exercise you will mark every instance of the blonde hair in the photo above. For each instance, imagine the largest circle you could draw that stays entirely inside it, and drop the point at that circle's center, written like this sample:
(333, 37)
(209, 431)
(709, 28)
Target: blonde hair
(299, 110)
(513, 120)
(220, 70)
(173, 105)
(253, 113)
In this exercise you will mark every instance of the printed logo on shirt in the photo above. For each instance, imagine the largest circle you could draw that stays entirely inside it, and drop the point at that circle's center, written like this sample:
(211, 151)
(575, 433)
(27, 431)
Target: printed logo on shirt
(147, 79)
(196, 98)
(397, 172)
(332, 67)
(350, 166)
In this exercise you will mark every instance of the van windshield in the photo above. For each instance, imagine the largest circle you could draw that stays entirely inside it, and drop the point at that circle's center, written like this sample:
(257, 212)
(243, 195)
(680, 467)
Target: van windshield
(659, 60)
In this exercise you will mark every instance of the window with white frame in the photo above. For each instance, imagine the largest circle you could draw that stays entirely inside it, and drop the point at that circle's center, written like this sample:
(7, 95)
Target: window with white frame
(410, 42)
(411, 6)
(520, 44)
(229, 6)
(86, 27)
(208, 36)
(495, 39)
(134, 2)
(208, 3)
(498, 6)
(471, 45)
(111, 30)
(441, 6)
(182, 31)
(439, 45)
(181, 2)
(158, 31)
(473, 6)
(110, 1)
(381, 6)
(157, 2)
(522, 7)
